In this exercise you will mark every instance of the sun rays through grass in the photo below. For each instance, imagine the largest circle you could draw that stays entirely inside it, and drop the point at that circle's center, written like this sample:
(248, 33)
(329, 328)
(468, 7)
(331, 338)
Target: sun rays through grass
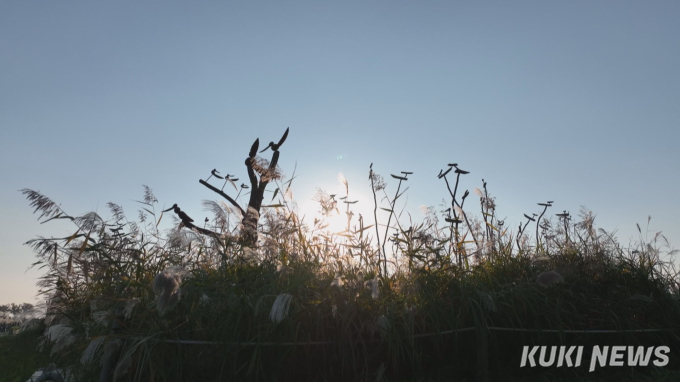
(256, 292)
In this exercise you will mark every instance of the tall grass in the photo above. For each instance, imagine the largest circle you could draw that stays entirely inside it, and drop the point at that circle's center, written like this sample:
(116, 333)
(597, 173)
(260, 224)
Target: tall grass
(202, 302)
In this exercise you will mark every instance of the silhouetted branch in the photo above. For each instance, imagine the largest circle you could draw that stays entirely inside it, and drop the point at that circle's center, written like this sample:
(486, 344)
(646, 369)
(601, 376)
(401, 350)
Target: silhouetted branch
(202, 231)
(270, 170)
(222, 194)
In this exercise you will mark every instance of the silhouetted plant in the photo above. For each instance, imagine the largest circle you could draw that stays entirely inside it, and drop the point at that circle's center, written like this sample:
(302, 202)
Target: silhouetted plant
(256, 293)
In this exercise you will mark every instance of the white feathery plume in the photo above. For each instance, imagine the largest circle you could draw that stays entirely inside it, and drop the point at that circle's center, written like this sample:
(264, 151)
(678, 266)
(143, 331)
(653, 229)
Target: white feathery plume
(204, 299)
(99, 315)
(373, 286)
(280, 307)
(549, 278)
(109, 350)
(338, 283)
(249, 254)
(122, 367)
(61, 335)
(167, 286)
(487, 301)
(129, 307)
(91, 349)
(383, 325)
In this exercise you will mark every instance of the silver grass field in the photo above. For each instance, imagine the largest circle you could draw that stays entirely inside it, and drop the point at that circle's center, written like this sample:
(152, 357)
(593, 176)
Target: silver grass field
(253, 292)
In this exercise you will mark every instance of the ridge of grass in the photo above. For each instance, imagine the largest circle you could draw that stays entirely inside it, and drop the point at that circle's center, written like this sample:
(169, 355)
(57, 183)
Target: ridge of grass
(302, 302)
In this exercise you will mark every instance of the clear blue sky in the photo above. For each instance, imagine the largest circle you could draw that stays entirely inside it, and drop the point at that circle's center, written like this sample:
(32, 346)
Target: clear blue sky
(577, 102)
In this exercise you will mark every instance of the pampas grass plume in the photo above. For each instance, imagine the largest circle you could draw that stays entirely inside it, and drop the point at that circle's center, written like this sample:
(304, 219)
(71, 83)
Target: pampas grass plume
(167, 286)
(280, 307)
(549, 278)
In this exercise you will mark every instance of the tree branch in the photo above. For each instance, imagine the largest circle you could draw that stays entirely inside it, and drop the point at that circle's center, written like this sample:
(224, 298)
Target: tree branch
(252, 177)
(202, 231)
(222, 194)
(270, 170)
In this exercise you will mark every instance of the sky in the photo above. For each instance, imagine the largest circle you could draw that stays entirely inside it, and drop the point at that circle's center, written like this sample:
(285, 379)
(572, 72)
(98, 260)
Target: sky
(576, 102)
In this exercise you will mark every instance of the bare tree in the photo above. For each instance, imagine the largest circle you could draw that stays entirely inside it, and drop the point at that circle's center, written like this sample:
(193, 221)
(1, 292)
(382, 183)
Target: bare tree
(260, 173)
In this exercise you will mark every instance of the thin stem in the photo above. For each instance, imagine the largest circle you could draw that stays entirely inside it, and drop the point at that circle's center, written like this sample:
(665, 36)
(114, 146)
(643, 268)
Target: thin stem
(538, 223)
(375, 215)
(387, 228)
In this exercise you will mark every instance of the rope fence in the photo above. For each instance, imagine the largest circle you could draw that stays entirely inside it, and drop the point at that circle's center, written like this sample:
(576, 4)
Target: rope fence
(490, 328)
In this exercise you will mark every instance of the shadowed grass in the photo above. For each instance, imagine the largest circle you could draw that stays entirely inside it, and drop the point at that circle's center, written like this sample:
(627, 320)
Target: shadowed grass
(18, 356)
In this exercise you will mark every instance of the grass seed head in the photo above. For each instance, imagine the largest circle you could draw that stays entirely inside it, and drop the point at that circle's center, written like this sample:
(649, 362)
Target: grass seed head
(129, 307)
(61, 336)
(122, 368)
(549, 278)
(280, 308)
(338, 283)
(167, 286)
(383, 325)
(91, 350)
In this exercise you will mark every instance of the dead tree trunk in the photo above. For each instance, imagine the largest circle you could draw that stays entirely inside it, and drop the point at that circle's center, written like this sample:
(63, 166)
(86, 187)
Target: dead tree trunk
(258, 187)
(251, 215)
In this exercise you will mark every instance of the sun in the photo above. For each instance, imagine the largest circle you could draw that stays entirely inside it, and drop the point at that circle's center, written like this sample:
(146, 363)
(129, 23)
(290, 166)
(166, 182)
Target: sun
(337, 222)
(337, 203)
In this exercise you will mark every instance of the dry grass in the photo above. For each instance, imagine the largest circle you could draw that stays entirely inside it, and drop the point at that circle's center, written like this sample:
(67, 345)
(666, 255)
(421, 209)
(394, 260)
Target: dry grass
(366, 303)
